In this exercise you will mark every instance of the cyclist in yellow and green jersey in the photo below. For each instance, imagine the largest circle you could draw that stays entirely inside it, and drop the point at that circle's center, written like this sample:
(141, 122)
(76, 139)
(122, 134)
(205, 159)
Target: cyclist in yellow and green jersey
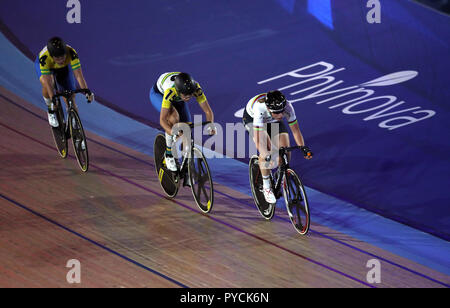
(170, 95)
(61, 61)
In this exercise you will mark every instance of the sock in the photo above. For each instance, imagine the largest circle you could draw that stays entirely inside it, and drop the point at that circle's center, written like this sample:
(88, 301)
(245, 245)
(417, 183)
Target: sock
(169, 142)
(49, 104)
(266, 182)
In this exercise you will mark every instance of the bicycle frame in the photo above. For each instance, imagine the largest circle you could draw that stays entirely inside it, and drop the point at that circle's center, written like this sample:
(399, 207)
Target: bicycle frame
(190, 151)
(66, 127)
(282, 168)
(68, 95)
(186, 157)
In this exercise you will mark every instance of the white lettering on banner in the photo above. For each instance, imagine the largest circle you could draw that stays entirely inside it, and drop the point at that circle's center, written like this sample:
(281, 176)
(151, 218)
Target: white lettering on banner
(325, 76)
(328, 67)
(231, 128)
(319, 81)
(408, 120)
(374, 15)
(347, 110)
(374, 275)
(74, 15)
(74, 274)
(216, 140)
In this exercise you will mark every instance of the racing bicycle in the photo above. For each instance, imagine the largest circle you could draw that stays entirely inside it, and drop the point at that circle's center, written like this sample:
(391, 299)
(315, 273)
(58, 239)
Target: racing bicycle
(285, 182)
(70, 127)
(193, 171)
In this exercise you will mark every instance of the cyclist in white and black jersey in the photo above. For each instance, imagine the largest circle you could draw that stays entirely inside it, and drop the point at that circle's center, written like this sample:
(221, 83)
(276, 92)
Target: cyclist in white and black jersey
(260, 115)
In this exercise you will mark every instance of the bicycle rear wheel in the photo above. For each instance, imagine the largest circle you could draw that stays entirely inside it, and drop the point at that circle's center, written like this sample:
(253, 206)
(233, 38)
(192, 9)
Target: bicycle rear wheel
(201, 181)
(256, 183)
(59, 133)
(167, 179)
(296, 202)
(79, 141)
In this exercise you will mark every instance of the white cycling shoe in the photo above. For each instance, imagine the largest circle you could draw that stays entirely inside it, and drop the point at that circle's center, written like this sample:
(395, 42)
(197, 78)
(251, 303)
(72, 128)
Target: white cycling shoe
(52, 120)
(269, 196)
(171, 164)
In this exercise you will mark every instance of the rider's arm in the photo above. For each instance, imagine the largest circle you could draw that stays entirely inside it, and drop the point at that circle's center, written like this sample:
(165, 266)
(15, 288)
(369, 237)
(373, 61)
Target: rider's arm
(80, 78)
(208, 111)
(75, 64)
(293, 124)
(299, 140)
(203, 102)
(78, 73)
(297, 133)
(83, 85)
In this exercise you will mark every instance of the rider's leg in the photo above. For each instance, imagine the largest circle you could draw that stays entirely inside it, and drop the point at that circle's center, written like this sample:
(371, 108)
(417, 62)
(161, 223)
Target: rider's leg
(282, 141)
(184, 117)
(45, 93)
(264, 148)
(52, 119)
(173, 119)
(65, 80)
(156, 98)
(265, 168)
(41, 78)
(263, 164)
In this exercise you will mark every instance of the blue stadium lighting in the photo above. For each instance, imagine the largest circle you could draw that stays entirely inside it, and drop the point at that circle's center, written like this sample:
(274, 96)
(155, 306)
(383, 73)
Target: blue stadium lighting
(321, 9)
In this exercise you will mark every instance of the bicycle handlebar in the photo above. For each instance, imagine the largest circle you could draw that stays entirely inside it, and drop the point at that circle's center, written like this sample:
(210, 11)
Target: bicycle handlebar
(68, 93)
(192, 125)
(290, 149)
(306, 151)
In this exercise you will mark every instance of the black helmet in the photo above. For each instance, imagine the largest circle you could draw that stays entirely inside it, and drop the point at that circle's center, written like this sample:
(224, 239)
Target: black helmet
(275, 101)
(56, 47)
(185, 84)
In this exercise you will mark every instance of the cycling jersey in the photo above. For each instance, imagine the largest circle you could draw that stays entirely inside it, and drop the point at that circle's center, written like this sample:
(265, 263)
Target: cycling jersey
(166, 86)
(47, 65)
(256, 109)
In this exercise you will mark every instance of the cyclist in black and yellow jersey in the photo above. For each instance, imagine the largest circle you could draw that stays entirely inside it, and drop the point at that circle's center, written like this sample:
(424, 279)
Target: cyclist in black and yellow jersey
(62, 61)
(170, 95)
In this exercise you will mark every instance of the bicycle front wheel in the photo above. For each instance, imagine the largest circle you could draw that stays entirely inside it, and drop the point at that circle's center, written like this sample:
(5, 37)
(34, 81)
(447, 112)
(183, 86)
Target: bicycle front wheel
(79, 141)
(296, 202)
(201, 181)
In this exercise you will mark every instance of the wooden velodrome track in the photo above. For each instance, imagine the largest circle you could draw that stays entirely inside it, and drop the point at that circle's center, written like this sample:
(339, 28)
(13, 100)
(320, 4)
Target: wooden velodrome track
(117, 223)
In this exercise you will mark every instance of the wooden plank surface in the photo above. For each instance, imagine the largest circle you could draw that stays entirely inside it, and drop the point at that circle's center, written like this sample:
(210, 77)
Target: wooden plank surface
(116, 221)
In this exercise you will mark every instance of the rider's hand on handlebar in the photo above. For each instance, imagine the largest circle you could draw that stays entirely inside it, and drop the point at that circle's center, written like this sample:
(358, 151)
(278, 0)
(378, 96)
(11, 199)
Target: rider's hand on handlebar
(89, 96)
(306, 152)
(211, 129)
